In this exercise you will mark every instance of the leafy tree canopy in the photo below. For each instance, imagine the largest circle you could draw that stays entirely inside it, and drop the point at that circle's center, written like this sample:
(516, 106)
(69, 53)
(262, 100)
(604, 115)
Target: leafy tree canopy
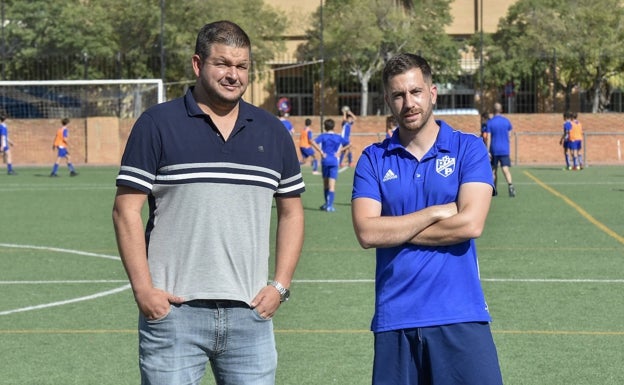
(360, 35)
(130, 30)
(576, 42)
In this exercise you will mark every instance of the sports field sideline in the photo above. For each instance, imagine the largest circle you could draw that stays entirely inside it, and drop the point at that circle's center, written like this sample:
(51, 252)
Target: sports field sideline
(551, 259)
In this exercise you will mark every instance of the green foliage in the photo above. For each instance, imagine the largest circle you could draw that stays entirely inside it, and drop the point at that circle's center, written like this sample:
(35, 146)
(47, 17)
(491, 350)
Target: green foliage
(129, 31)
(578, 43)
(360, 35)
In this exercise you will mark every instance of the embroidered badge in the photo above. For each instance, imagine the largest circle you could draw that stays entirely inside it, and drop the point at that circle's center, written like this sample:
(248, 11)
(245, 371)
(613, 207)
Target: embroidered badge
(445, 166)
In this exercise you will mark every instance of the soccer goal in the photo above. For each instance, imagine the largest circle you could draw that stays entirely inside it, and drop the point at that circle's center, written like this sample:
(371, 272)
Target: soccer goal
(122, 98)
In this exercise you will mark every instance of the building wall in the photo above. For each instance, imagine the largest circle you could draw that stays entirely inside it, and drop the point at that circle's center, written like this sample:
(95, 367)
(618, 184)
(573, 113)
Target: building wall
(535, 138)
(466, 21)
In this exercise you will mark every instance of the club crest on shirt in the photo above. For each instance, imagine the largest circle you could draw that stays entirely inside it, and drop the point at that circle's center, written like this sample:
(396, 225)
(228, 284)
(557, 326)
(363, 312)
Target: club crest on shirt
(445, 166)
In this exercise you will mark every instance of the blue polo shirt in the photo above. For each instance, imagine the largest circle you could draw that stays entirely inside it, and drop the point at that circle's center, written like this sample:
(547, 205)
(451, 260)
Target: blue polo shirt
(210, 200)
(419, 286)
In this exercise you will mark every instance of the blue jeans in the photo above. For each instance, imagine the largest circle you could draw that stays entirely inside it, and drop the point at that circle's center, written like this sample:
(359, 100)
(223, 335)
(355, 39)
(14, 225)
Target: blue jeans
(238, 343)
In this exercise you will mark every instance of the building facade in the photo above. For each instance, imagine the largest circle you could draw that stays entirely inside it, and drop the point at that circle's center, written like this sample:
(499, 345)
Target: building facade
(299, 83)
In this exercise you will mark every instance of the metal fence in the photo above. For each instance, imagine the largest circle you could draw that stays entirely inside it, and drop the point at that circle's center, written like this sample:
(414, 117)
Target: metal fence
(310, 91)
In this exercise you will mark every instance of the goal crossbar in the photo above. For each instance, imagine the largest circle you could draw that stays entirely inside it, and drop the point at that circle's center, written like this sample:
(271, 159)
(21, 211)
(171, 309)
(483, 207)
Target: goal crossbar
(157, 82)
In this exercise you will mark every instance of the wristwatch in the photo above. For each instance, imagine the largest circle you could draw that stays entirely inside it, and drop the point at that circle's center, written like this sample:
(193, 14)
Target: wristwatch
(284, 292)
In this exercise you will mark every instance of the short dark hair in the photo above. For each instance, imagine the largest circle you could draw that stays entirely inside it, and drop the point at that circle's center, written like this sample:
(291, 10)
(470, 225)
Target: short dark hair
(220, 32)
(404, 62)
(65, 121)
(329, 124)
(308, 122)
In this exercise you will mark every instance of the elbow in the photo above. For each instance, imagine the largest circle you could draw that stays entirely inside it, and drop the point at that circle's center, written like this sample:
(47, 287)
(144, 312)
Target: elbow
(366, 241)
(474, 231)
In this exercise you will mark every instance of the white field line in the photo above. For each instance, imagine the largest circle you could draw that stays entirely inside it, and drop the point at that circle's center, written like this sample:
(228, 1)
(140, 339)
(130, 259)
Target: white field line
(127, 286)
(58, 250)
(67, 301)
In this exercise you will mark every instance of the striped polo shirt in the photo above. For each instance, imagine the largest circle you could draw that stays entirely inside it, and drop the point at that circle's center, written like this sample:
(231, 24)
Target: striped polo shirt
(210, 200)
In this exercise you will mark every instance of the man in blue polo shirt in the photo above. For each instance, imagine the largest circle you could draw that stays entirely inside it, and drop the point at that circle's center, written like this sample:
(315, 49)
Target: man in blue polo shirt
(420, 198)
(210, 166)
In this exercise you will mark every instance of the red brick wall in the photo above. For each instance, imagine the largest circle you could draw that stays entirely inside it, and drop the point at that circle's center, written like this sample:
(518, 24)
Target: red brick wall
(535, 137)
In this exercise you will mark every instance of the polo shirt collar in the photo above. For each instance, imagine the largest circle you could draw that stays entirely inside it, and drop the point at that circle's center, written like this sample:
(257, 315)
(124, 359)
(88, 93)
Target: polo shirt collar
(245, 112)
(442, 143)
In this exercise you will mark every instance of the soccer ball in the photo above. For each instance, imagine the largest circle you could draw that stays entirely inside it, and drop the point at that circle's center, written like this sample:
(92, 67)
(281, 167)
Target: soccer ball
(345, 109)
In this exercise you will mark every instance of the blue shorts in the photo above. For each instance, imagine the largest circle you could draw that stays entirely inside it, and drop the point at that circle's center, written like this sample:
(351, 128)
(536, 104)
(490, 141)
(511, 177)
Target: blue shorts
(330, 171)
(575, 144)
(453, 354)
(504, 160)
(306, 152)
(62, 152)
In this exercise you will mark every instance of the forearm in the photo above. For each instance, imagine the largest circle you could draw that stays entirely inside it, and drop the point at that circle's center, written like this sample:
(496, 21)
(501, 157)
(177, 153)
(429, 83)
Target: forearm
(289, 241)
(468, 223)
(373, 230)
(446, 232)
(132, 249)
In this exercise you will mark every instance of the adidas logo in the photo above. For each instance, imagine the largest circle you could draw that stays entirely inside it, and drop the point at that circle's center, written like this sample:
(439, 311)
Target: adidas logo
(389, 176)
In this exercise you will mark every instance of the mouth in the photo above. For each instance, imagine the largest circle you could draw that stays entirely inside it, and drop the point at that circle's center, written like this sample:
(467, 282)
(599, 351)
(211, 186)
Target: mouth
(230, 87)
(412, 116)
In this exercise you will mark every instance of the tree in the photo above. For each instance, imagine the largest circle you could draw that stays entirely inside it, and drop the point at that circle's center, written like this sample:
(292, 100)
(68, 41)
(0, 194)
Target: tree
(127, 34)
(34, 29)
(360, 35)
(568, 43)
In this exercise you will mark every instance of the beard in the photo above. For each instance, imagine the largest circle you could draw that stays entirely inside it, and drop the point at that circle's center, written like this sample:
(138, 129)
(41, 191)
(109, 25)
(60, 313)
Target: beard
(416, 118)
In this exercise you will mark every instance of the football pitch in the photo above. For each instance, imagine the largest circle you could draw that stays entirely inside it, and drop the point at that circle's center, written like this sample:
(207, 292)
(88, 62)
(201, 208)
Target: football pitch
(551, 260)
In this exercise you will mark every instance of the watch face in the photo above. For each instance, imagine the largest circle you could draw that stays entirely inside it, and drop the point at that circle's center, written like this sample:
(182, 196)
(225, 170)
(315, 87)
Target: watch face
(286, 295)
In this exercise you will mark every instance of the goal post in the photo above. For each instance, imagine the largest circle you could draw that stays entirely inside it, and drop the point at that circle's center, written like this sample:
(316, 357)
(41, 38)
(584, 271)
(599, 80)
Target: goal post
(122, 98)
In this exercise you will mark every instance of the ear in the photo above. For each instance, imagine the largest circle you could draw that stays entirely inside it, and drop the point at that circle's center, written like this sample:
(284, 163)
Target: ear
(196, 62)
(434, 93)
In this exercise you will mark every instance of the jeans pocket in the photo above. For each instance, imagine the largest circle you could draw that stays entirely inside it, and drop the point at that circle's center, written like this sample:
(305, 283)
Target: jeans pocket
(257, 316)
(159, 319)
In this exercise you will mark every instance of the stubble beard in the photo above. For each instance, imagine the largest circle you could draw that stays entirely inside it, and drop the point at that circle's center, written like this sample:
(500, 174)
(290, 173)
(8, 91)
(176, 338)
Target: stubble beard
(418, 124)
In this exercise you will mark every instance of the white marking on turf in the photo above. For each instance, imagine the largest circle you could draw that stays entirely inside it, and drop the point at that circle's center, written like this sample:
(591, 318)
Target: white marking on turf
(68, 301)
(65, 302)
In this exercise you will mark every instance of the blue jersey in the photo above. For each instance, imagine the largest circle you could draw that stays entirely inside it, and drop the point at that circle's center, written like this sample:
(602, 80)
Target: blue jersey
(4, 137)
(330, 143)
(420, 286)
(346, 130)
(498, 127)
(287, 124)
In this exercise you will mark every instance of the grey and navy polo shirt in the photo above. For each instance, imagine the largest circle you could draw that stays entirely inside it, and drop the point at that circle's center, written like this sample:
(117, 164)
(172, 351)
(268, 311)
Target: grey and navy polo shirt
(210, 200)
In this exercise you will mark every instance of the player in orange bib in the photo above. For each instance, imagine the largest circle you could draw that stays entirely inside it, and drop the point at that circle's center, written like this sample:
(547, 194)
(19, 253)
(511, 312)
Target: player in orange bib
(60, 145)
(576, 142)
(306, 148)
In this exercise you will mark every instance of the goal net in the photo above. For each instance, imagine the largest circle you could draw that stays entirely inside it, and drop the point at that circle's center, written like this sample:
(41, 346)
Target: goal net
(124, 98)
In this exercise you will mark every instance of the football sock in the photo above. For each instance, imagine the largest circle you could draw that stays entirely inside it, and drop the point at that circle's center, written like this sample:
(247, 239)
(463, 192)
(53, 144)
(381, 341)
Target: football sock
(330, 198)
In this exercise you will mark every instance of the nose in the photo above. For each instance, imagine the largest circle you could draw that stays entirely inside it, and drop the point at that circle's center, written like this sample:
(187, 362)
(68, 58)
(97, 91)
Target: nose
(409, 101)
